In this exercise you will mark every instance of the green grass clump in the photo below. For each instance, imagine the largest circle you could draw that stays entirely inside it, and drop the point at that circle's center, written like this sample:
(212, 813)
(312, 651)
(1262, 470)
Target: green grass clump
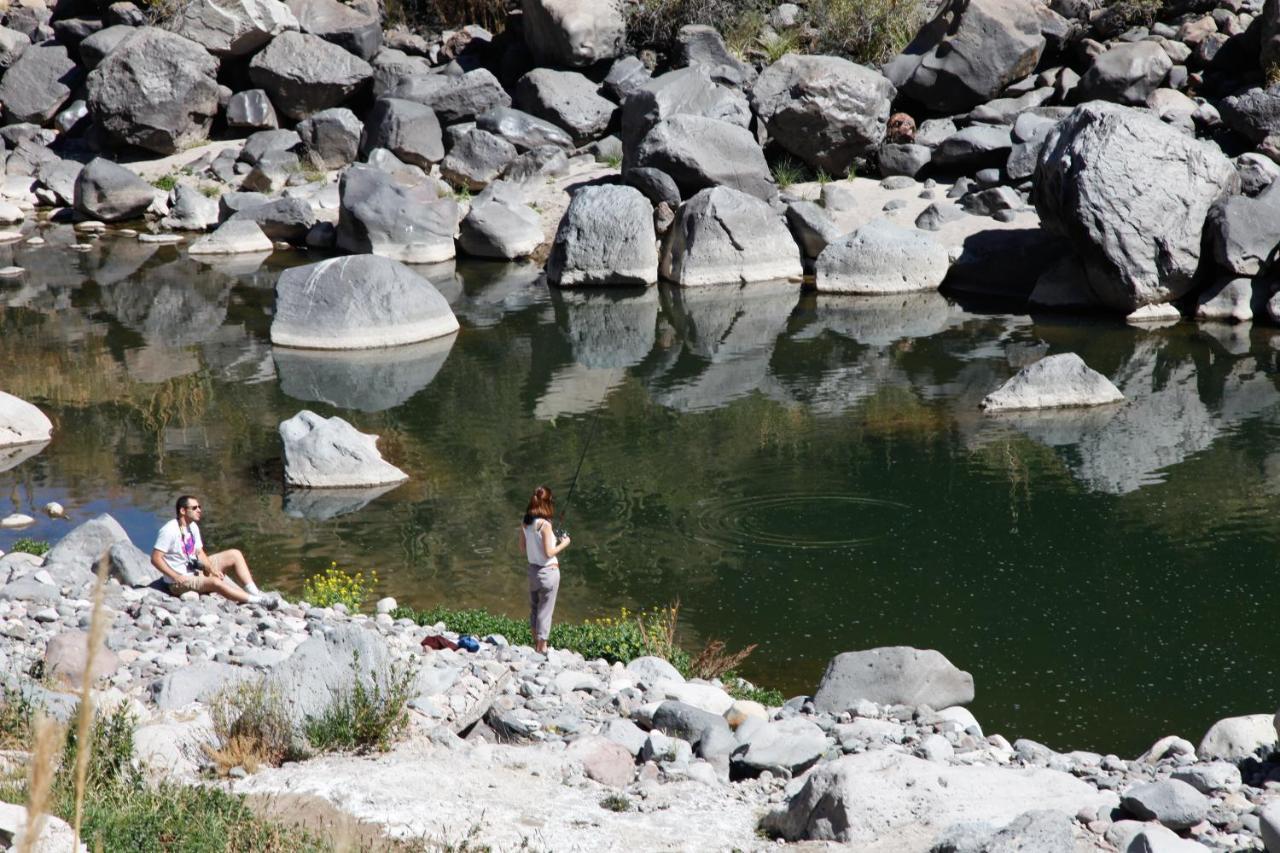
(16, 715)
(39, 547)
(165, 182)
(770, 697)
(787, 171)
(867, 31)
(616, 803)
(368, 717)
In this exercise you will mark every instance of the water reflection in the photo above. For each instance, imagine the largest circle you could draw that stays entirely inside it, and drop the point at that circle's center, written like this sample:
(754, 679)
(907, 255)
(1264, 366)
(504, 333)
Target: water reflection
(808, 472)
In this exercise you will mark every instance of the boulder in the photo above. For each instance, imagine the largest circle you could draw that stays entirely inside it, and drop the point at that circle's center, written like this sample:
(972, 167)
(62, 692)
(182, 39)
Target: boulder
(233, 237)
(454, 99)
(331, 137)
(572, 33)
(968, 53)
(21, 422)
(190, 210)
(603, 760)
(305, 74)
(13, 43)
(1245, 231)
(1254, 114)
(477, 159)
(407, 129)
(702, 47)
(1127, 73)
(95, 48)
(823, 109)
(500, 225)
(699, 153)
(156, 90)
(130, 566)
(881, 257)
(811, 226)
(655, 184)
(567, 99)
(55, 833)
(606, 237)
(978, 146)
(66, 660)
(1233, 300)
(864, 798)
(110, 193)
(201, 681)
(650, 670)
(722, 236)
(1131, 194)
(353, 27)
(329, 453)
(325, 667)
(288, 219)
(409, 224)
(522, 130)
(892, 675)
(252, 109)
(707, 733)
(785, 747)
(906, 159)
(38, 84)
(357, 302)
(1055, 381)
(684, 91)
(1237, 738)
(1212, 777)
(79, 551)
(232, 27)
(626, 734)
(1175, 804)
(265, 142)
(626, 75)
(1269, 815)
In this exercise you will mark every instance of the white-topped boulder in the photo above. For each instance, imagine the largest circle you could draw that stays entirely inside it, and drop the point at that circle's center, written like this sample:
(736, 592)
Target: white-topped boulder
(723, 236)
(21, 422)
(881, 257)
(357, 302)
(234, 237)
(1055, 381)
(329, 453)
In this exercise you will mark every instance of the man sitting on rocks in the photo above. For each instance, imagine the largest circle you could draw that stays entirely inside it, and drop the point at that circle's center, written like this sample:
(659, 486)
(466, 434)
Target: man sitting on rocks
(179, 555)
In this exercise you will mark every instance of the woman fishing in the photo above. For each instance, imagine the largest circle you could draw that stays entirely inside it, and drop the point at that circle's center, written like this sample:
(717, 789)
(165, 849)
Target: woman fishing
(538, 544)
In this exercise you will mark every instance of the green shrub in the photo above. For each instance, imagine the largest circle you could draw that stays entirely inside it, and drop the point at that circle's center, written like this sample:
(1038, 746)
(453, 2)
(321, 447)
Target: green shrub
(111, 745)
(738, 688)
(868, 31)
(654, 23)
(39, 547)
(616, 803)
(165, 182)
(252, 727)
(368, 717)
(336, 586)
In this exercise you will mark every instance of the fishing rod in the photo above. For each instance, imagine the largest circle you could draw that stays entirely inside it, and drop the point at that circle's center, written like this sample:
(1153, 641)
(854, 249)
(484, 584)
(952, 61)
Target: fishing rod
(591, 433)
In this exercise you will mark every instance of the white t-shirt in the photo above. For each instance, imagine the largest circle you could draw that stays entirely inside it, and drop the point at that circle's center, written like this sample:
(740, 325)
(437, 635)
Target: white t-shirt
(178, 548)
(534, 549)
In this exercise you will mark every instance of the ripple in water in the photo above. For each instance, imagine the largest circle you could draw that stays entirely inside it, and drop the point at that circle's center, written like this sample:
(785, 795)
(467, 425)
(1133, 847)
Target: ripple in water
(804, 521)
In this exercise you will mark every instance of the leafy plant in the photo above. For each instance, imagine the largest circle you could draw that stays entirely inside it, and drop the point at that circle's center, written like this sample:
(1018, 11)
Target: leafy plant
(739, 688)
(165, 182)
(39, 547)
(367, 717)
(336, 586)
(613, 161)
(778, 45)
(211, 191)
(616, 803)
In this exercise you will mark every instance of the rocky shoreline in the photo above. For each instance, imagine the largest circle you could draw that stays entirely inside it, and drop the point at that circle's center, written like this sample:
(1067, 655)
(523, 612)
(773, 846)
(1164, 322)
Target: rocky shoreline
(507, 747)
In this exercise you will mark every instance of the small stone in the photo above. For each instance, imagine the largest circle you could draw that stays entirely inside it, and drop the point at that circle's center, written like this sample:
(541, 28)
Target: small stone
(11, 272)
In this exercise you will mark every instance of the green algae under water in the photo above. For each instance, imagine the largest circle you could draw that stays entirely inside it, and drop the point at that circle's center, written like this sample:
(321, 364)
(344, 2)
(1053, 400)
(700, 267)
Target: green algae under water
(812, 474)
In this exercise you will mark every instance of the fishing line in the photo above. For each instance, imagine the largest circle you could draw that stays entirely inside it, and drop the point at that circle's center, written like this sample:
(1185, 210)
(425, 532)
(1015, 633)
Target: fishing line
(591, 433)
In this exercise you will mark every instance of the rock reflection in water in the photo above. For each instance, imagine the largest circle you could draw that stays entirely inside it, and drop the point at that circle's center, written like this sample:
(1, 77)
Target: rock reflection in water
(485, 292)
(175, 303)
(14, 455)
(731, 332)
(366, 380)
(881, 320)
(323, 504)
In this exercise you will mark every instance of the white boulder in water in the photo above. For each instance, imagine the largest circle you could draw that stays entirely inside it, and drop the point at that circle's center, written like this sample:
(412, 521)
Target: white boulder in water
(329, 453)
(17, 519)
(357, 302)
(1056, 381)
(55, 510)
(21, 422)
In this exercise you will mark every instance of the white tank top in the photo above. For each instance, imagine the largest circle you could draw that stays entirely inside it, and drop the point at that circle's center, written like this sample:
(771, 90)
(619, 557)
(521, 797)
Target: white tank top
(533, 544)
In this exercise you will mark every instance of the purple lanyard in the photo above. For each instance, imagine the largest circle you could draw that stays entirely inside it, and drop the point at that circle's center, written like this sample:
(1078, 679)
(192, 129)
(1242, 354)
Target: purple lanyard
(188, 547)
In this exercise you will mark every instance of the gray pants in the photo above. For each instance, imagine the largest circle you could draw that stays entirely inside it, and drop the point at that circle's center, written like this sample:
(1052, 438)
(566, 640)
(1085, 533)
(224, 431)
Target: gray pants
(544, 583)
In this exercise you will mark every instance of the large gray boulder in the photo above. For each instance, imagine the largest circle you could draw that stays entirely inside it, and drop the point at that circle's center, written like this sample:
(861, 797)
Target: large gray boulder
(1055, 381)
(567, 99)
(331, 137)
(78, 553)
(865, 798)
(407, 129)
(968, 53)
(327, 666)
(722, 236)
(500, 225)
(157, 90)
(356, 28)
(606, 237)
(1246, 231)
(201, 681)
(892, 675)
(702, 47)
(523, 130)
(573, 33)
(305, 74)
(287, 219)
(782, 747)
(329, 453)
(1126, 73)
(1175, 804)
(881, 257)
(357, 302)
(684, 91)
(109, 192)
(23, 423)
(13, 44)
(823, 109)
(1131, 194)
(39, 84)
(699, 152)
(131, 566)
(1237, 738)
(477, 159)
(454, 99)
(233, 237)
(190, 210)
(707, 733)
(232, 27)
(409, 224)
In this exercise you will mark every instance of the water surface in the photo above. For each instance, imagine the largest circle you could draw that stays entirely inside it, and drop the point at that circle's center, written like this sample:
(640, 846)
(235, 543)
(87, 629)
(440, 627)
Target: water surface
(809, 474)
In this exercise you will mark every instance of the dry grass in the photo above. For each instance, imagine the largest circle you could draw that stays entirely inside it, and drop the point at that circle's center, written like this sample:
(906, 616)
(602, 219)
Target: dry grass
(252, 727)
(49, 736)
(84, 724)
(870, 31)
(713, 661)
(658, 632)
